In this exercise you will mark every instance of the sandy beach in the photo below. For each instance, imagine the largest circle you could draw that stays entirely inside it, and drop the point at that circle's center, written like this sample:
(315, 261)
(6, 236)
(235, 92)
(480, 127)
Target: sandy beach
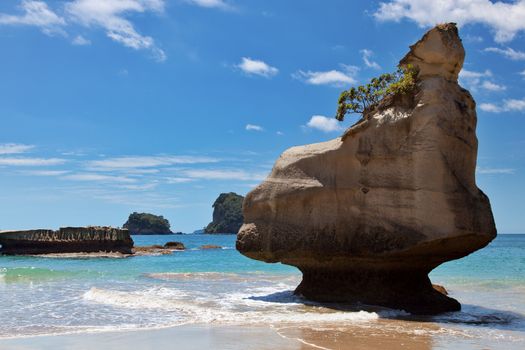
(183, 337)
(427, 336)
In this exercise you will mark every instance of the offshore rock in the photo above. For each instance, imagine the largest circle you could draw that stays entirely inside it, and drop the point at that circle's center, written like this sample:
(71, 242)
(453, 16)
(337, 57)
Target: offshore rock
(147, 224)
(227, 214)
(91, 239)
(367, 216)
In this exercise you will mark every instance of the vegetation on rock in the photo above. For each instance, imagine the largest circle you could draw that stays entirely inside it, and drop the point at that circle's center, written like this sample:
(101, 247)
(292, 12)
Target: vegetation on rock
(365, 98)
(147, 224)
(227, 214)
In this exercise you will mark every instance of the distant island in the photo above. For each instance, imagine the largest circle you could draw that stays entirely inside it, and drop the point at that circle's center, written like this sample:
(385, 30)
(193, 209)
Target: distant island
(147, 224)
(227, 214)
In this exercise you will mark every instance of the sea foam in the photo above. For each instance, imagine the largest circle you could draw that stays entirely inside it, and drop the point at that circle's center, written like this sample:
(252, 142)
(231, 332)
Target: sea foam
(237, 308)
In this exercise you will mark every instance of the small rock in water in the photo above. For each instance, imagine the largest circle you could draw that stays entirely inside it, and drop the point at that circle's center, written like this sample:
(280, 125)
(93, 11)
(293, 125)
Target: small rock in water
(175, 245)
(211, 246)
(151, 250)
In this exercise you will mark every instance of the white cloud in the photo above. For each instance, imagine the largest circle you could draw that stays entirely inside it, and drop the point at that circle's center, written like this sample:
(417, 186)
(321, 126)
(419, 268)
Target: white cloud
(31, 161)
(140, 171)
(125, 163)
(144, 187)
(509, 105)
(514, 105)
(488, 85)
(220, 4)
(366, 55)
(493, 171)
(252, 127)
(223, 174)
(38, 14)
(129, 196)
(523, 74)
(504, 18)
(257, 67)
(81, 41)
(467, 74)
(337, 78)
(323, 123)
(477, 80)
(473, 38)
(110, 16)
(490, 107)
(46, 172)
(178, 180)
(91, 177)
(280, 133)
(508, 52)
(14, 148)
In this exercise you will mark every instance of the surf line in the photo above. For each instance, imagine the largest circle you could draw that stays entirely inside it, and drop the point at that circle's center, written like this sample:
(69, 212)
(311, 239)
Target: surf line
(298, 339)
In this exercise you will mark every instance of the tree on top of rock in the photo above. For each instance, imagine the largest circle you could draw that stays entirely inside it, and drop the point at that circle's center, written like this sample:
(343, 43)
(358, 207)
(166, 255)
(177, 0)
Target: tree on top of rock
(147, 224)
(227, 214)
(365, 98)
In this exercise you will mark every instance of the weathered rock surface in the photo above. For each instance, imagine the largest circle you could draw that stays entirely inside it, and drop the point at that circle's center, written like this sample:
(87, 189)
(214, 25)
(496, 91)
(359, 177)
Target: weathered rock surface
(89, 239)
(227, 214)
(367, 216)
(175, 245)
(440, 289)
(151, 250)
(210, 246)
(158, 249)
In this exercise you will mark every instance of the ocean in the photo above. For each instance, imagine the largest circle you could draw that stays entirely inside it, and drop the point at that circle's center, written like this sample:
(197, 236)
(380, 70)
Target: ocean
(51, 295)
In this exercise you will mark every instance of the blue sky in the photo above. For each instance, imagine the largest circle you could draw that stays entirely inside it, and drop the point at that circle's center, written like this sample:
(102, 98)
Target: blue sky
(109, 107)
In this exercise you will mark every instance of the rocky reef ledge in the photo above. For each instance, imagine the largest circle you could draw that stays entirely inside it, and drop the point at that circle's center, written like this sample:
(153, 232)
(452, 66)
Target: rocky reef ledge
(89, 239)
(367, 216)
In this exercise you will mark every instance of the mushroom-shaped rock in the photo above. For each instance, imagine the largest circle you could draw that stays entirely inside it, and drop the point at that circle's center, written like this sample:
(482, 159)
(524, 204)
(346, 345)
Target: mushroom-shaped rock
(366, 217)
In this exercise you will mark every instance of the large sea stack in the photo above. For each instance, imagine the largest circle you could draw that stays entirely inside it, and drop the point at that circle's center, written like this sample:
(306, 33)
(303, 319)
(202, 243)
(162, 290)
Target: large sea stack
(227, 214)
(91, 239)
(367, 216)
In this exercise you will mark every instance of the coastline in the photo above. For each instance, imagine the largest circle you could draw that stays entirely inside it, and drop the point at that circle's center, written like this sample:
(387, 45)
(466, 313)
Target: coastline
(200, 336)
(217, 298)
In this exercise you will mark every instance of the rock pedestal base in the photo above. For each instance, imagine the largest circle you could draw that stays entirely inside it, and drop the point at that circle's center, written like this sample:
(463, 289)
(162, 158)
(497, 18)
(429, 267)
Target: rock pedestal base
(406, 290)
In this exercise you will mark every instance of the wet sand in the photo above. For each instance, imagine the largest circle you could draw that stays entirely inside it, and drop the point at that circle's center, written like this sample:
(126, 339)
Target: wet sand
(182, 337)
(391, 337)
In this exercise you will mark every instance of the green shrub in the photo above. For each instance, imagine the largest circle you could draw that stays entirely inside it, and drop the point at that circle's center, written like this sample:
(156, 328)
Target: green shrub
(364, 98)
(227, 214)
(145, 223)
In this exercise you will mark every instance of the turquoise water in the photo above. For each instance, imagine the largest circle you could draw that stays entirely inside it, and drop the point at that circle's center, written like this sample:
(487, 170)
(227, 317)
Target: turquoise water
(50, 295)
(501, 263)
(191, 260)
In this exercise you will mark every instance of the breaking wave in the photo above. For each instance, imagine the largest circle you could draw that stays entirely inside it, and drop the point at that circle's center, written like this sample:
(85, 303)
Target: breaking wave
(236, 308)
